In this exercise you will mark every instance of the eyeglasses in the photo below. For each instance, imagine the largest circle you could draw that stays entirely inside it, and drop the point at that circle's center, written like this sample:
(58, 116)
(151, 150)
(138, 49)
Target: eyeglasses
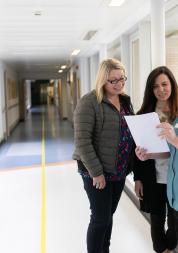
(116, 81)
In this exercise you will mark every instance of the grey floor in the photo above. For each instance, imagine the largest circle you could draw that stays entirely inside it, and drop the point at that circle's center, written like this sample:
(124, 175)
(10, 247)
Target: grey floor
(23, 148)
(66, 205)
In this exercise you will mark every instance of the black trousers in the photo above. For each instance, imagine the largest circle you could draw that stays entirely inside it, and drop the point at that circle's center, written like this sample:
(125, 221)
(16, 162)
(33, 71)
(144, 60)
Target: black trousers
(103, 204)
(176, 221)
(163, 235)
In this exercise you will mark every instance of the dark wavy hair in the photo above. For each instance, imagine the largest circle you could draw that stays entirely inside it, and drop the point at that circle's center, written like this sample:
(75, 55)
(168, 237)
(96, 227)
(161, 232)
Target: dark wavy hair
(149, 99)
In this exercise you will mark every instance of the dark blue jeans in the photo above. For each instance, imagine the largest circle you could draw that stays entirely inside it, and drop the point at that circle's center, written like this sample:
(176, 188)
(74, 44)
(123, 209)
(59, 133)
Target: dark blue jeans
(103, 204)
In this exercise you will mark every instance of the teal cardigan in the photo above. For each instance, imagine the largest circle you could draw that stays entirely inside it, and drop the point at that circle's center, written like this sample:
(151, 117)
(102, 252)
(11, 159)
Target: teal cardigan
(172, 184)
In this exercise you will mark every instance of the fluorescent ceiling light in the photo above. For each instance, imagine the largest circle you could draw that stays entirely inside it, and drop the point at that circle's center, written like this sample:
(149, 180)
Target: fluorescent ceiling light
(116, 2)
(75, 52)
(60, 71)
(63, 67)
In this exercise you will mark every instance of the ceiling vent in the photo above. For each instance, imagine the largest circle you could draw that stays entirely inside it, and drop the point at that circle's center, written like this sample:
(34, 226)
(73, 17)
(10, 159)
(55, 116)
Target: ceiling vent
(89, 35)
(37, 13)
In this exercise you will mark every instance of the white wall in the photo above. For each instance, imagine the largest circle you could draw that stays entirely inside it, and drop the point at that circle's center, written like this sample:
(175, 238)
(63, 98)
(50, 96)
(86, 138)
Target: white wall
(13, 104)
(114, 51)
(172, 54)
(144, 54)
(56, 93)
(84, 75)
(28, 94)
(66, 99)
(2, 103)
(94, 64)
(135, 72)
(125, 59)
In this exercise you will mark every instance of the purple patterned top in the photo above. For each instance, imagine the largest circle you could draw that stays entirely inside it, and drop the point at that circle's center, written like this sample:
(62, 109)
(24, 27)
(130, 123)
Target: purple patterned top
(124, 149)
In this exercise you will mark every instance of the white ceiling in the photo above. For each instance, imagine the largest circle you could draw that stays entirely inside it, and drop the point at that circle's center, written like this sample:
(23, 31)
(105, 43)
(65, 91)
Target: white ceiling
(44, 42)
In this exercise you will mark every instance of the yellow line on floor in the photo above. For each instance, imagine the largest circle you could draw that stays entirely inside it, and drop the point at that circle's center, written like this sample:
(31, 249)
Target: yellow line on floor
(43, 190)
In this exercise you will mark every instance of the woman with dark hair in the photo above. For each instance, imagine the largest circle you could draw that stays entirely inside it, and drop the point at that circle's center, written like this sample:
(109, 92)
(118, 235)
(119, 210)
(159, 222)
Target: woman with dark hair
(103, 146)
(150, 175)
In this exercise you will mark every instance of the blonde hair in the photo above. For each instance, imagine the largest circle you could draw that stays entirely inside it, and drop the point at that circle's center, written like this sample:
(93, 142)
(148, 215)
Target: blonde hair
(102, 75)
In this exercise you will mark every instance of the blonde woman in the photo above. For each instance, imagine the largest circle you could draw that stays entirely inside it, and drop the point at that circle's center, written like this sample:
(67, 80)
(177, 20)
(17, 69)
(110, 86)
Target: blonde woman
(103, 146)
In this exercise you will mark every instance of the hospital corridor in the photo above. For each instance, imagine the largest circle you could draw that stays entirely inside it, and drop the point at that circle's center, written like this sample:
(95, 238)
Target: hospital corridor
(59, 224)
(50, 54)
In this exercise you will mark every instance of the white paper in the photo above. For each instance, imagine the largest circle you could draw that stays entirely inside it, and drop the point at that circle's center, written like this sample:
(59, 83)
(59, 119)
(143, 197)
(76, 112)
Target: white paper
(145, 134)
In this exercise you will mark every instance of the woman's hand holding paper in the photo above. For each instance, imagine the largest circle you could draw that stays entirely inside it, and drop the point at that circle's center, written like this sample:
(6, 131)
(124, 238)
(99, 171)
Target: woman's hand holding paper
(168, 133)
(141, 153)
